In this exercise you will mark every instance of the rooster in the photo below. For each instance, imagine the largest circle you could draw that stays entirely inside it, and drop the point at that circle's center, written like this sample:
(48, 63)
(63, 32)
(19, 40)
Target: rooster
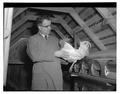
(72, 54)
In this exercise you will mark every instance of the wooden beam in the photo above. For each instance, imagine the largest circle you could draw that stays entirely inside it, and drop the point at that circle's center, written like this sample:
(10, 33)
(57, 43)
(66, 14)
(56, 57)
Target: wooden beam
(64, 24)
(58, 31)
(19, 36)
(19, 11)
(55, 20)
(104, 54)
(57, 9)
(23, 20)
(19, 23)
(106, 14)
(77, 18)
(77, 29)
(13, 45)
(23, 28)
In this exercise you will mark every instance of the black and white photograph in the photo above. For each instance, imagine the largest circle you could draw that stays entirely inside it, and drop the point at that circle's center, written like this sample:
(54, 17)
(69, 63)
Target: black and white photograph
(59, 46)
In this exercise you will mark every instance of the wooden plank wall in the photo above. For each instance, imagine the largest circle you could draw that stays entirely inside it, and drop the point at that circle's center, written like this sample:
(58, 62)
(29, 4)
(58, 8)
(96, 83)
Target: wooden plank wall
(91, 17)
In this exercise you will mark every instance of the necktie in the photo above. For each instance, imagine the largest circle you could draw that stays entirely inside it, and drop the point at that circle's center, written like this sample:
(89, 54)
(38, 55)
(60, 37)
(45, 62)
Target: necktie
(46, 37)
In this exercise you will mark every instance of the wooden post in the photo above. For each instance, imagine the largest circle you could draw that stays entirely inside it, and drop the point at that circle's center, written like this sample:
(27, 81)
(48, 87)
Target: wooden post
(8, 13)
(75, 44)
(76, 40)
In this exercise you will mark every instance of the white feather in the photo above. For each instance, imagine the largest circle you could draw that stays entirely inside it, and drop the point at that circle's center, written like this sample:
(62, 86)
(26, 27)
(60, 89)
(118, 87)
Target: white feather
(72, 54)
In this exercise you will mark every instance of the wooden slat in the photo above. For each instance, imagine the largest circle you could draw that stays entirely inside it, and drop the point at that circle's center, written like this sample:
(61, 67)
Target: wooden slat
(113, 46)
(82, 11)
(85, 39)
(76, 36)
(67, 19)
(64, 24)
(79, 9)
(96, 27)
(104, 33)
(72, 24)
(19, 11)
(20, 16)
(76, 40)
(16, 62)
(20, 30)
(54, 33)
(112, 10)
(15, 11)
(58, 31)
(93, 50)
(107, 15)
(113, 43)
(19, 42)
(58, 9)
(93, 45)
(90, 16)
(93, 20)
(21, 35)
(77, 29)
(63, 15)
(60, 27)
(81, 34)
(20, 22)
(109, 40)
(106, 53)
(86, 13)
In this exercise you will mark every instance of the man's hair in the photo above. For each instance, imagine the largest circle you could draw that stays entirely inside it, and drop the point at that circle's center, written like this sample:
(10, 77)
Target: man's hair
(40, 19)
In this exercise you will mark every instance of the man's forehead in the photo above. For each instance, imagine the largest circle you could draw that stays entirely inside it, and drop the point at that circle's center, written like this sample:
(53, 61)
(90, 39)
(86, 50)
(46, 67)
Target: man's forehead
(46, 22)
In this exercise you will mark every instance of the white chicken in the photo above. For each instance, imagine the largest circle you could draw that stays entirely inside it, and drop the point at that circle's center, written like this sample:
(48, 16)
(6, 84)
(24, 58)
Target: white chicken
(72, 54)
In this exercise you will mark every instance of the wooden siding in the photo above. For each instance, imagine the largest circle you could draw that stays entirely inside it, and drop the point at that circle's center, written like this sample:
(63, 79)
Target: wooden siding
(108, 40)
(104, 33)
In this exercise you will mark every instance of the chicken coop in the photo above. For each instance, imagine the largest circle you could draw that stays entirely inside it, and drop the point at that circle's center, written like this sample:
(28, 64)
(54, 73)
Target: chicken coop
(95, 72)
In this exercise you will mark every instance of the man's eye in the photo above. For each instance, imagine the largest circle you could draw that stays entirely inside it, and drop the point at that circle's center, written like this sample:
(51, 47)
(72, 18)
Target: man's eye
(46, 26)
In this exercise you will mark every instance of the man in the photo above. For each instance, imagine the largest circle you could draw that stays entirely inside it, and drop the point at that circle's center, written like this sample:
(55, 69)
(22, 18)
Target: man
(47, 73)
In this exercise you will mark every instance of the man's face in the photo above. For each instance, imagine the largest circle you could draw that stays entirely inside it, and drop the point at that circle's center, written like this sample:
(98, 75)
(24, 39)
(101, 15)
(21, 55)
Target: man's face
(45, 28)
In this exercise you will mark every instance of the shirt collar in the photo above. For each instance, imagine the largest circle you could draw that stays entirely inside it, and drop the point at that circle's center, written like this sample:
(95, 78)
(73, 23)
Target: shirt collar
(43, 35)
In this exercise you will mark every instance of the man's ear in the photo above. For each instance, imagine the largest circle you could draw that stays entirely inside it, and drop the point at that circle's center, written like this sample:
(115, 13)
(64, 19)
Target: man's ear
(39, 27)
